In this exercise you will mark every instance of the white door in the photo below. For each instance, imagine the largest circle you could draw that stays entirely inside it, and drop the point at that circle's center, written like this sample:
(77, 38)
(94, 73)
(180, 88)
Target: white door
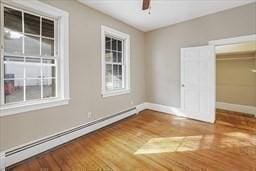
(198, 83)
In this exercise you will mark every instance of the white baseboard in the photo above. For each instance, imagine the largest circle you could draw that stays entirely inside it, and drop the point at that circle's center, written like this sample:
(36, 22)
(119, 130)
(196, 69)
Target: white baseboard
(2, 162)
(236, 107)
(141, 107)
(174, 111)
(165, 109)
(28, 150)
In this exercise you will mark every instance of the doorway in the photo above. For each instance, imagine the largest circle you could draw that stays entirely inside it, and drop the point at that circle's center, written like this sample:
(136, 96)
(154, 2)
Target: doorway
(236, 84)
(200, 93)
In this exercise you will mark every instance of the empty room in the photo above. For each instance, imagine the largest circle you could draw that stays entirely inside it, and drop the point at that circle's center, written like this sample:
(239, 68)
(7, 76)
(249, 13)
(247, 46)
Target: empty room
(128, 85)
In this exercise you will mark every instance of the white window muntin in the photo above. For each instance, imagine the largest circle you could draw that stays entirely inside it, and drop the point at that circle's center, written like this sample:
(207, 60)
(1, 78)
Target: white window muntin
(125, 38)
(25, 57)
(61, 32)
(122, 63)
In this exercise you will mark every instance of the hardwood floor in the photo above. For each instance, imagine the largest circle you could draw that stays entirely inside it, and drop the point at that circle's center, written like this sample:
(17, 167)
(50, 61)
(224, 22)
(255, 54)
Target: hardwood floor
(236, 119)
(153, 141)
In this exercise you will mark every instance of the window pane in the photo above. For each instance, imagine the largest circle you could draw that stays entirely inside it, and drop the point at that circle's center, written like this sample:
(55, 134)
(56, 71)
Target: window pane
(119, 57)
(13, 91)
(49, 68)
(13, 67)
(12, 42)
(12, 20)
(114, 56)
(31, 24)
(117, 82)
(47, 47)
(119, 45)
(33, 89)
(115, 71)
(114, 44)
(33, 68)
(49, 71)
(108, 42)
(120, 71)
(108, 77)
(108, 56)
(49, 88)
(120, 76)
(32, 46)
(47, 28)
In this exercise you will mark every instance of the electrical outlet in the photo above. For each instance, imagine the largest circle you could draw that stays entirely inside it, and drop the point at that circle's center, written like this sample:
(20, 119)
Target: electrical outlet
(2, 162)
(89, 114)
(132, 102)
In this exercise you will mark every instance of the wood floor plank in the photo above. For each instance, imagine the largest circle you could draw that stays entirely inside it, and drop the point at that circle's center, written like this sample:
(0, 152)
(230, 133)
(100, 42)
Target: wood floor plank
(47, 162)
(34, 165)
(86, 157)
(236, 119)
(153, 141)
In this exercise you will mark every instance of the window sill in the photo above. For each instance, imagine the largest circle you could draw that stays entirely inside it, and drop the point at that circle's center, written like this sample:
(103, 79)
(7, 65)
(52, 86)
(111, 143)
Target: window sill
(31, 106)
(115, 93)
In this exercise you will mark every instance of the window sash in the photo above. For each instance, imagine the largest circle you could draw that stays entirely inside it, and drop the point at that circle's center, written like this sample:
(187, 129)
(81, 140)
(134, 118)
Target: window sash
(112, 63)
(30, 34)
(112, 77)
(42, 78)
(24, 56)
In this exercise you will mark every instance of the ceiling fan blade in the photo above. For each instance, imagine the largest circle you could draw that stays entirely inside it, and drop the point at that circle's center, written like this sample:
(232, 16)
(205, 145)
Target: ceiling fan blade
(146, 4)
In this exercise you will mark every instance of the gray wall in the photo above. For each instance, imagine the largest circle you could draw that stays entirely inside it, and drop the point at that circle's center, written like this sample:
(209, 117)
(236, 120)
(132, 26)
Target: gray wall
(85, 80)
(235, 81)
(163, 48)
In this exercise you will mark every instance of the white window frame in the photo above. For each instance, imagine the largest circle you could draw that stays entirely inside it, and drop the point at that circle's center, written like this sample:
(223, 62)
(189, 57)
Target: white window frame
(62, 98)
(126, 57)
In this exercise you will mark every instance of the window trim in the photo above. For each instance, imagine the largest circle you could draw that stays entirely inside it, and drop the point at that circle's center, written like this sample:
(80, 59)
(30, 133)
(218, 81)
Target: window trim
(126, 39)
(63, 61)
(55, 57)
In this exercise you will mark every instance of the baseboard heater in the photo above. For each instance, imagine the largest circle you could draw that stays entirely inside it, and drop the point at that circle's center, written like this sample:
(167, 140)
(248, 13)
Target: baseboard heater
(12, 156)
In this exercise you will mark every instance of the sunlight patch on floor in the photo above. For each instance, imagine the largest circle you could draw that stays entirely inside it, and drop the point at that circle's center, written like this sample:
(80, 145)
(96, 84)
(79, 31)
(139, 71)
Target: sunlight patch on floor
(179, 118)
(241, 135)
(191, 143)
(174, 144)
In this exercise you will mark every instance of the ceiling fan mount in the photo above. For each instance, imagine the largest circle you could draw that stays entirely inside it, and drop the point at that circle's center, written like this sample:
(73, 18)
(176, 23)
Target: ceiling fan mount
(146, 5)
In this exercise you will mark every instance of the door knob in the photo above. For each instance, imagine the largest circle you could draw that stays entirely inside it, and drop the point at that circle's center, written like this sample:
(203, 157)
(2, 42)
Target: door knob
(182, 85)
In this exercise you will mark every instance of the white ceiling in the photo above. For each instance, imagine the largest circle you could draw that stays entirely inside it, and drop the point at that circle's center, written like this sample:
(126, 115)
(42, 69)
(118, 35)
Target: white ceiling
(163, 12)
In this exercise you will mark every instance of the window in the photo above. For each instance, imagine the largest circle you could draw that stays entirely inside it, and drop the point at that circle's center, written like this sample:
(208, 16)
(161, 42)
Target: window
(32, 58)
(115, 62)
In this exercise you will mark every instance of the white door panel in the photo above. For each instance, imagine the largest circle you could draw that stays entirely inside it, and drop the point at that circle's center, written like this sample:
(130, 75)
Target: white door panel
(197, 82)
(191, 68)
(191, 104)
(204, 102)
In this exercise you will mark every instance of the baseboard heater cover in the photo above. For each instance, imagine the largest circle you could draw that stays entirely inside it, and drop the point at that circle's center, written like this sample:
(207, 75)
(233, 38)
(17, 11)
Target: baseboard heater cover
(2, 162)
(97, 123)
